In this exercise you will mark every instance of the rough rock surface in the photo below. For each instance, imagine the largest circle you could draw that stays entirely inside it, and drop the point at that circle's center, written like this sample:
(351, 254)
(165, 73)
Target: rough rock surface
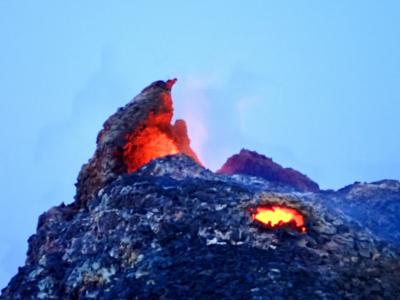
(175, 230)
(375, 206)
(251, 163)
(150, 112)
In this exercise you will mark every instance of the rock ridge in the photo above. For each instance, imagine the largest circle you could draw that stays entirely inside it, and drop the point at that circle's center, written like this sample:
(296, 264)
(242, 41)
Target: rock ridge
(251, 163)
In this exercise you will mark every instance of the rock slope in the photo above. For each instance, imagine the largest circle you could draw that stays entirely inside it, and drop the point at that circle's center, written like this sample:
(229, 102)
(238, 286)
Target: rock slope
(375, 206)
(161, 233)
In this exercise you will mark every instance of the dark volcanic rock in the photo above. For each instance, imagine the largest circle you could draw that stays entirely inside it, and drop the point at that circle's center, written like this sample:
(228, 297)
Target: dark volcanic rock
(254, 164)
(375, 206)
(174, 230)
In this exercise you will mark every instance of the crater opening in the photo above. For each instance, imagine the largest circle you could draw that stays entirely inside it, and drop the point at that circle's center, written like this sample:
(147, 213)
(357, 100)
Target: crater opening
(279, 216)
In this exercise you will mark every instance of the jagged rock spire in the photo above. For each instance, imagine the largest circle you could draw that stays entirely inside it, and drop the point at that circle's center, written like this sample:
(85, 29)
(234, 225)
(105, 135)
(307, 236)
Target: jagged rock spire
(131, 137)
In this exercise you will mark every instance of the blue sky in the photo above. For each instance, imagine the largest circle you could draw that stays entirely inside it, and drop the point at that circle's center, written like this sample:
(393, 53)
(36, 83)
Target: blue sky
(312, 84)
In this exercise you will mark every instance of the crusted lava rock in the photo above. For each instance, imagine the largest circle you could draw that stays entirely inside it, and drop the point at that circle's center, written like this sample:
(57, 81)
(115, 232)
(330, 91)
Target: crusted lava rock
(149, 225)
(375, 206)
(133, 136)
(174, 230)
(251, 163)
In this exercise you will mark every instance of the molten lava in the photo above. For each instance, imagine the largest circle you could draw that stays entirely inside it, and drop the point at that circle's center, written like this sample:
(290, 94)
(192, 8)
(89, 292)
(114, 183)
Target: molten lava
(157, 137)
(277, 216)
(148, 144)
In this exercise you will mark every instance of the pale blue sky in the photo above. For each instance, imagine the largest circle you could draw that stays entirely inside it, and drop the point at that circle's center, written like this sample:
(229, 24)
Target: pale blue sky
(313, 84)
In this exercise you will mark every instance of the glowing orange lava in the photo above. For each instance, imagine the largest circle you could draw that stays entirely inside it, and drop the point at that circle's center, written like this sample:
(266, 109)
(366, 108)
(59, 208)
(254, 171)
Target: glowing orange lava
(157, 137)
(276, 216)
(148, 144)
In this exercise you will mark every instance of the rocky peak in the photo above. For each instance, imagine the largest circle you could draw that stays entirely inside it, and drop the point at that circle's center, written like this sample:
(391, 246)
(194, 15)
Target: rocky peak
(132, 137)
(251, 163)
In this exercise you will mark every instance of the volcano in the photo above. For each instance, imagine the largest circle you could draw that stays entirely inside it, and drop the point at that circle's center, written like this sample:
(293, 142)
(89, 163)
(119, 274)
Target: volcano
(149, 221)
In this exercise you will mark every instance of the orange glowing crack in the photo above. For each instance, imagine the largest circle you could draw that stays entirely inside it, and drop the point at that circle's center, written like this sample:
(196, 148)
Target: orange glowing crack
(147, 145)
(278, 216)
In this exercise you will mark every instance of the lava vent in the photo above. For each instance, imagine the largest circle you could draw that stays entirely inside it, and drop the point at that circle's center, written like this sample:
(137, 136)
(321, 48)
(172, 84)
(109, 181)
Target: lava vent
(279, 216)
